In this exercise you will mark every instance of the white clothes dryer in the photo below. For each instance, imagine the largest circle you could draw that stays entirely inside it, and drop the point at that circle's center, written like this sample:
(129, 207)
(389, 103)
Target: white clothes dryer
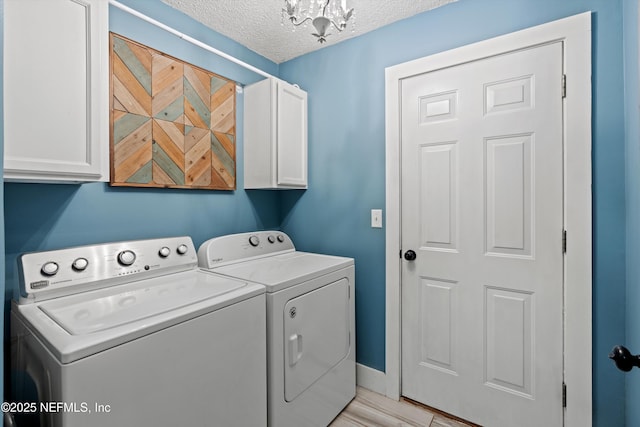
(135, 334)
(310, 322)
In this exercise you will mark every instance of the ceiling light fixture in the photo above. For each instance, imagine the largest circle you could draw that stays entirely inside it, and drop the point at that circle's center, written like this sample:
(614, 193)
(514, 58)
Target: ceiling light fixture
(322, 14)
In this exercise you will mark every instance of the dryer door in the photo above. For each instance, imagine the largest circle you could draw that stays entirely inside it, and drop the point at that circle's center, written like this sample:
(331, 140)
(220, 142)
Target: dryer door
(316, 328)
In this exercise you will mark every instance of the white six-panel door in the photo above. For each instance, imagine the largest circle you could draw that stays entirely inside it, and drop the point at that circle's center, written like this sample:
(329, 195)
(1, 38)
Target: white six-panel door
(482, 304)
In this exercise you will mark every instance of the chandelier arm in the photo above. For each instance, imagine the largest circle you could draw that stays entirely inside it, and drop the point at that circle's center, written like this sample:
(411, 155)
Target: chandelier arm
(297, 24)
(324, 8)
(336, 26)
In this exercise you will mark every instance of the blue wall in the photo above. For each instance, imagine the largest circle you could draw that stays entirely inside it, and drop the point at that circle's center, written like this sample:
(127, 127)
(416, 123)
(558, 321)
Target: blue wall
(345, 83)
(46, 216)
(632, 138)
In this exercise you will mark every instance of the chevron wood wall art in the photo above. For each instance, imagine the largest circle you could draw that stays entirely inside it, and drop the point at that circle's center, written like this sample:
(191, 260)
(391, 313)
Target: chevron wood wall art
(172, 123)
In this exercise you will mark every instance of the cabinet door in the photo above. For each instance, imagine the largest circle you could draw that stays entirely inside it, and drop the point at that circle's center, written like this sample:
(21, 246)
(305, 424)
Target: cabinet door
(56, 90)
(292, 136)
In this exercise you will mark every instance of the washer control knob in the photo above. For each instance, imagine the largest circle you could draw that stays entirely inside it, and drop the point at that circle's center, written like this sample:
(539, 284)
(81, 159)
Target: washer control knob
(80, 264)
(182, 249)
(49, 268)
(280, 238)
(271, 239)
(164, 252)
(254, 240)
(126, 258)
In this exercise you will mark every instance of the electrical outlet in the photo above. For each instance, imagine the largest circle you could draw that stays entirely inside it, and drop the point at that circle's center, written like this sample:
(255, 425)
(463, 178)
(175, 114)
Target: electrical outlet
(376, 218)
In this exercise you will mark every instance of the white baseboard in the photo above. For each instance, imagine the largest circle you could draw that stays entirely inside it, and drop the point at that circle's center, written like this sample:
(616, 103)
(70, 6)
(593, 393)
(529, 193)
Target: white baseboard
(371, 379)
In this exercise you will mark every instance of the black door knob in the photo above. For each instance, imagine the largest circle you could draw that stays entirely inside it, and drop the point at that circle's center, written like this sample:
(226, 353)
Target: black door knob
(624, 360)
(410, 255)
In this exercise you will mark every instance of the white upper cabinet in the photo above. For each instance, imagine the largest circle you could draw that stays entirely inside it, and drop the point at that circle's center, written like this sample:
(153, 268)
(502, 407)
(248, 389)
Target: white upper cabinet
(56, 90)
(275, 135)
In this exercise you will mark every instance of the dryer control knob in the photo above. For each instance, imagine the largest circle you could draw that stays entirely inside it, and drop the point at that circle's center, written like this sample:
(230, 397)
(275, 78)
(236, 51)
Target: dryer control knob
(164, 252)
(280, 238)
(49, 268)
(254, 240)
(182, 249)
(126, 258)
(80, 264)
(271, 239)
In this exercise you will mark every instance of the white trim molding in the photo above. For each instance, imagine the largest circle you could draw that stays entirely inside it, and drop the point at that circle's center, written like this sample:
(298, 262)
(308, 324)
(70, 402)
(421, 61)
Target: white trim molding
(575, 34)
(371, 379)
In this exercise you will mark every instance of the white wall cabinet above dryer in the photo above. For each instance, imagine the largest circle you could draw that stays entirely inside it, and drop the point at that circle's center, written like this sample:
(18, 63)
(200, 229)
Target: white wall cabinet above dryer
(275, 135)
(56, 90)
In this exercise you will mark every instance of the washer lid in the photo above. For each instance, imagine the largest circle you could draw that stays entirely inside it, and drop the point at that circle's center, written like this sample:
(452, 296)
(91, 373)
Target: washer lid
(282, 271)
(83, 324)
(90, 314)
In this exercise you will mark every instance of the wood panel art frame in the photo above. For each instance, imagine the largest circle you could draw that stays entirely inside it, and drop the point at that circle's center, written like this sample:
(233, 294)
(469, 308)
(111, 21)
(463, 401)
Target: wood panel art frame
(173, 125)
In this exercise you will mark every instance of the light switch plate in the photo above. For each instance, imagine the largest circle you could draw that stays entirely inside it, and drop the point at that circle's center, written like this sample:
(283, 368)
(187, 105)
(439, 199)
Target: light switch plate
(376, 218)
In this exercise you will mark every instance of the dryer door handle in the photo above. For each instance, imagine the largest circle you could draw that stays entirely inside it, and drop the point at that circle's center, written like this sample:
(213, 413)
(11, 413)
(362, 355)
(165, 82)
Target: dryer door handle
(295, 349)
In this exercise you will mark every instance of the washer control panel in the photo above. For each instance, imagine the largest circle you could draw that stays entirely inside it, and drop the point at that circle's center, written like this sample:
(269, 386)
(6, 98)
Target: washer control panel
(61, 272)
(233, 248)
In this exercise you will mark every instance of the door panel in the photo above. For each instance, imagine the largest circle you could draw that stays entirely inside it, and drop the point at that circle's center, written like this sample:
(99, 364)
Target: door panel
(509, 340)
(482, 186)
(508, 195)
(438, 324)
(438, 196)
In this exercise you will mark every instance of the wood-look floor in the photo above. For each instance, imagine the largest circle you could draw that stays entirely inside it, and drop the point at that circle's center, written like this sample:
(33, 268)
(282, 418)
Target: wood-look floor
(371, 409)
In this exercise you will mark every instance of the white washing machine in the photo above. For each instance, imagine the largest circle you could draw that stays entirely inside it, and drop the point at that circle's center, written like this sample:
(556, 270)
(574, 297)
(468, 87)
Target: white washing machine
(135, 334)
(310, 322)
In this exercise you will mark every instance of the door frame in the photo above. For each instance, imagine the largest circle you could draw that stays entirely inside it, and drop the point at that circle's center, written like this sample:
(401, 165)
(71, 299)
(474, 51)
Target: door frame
(575, 34)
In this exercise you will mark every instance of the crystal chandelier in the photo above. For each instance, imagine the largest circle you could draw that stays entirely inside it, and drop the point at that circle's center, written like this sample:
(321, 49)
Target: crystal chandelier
(322, 13)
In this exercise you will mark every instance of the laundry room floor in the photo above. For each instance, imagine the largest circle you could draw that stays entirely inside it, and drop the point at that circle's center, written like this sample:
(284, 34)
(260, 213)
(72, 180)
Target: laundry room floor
(372, 409)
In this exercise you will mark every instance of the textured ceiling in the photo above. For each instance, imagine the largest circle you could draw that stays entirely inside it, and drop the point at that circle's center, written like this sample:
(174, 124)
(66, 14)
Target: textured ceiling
(257, 24)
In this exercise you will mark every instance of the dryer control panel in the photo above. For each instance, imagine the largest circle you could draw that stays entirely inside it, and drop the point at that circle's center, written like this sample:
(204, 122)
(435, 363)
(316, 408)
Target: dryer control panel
(234, 248)
(50, 274)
